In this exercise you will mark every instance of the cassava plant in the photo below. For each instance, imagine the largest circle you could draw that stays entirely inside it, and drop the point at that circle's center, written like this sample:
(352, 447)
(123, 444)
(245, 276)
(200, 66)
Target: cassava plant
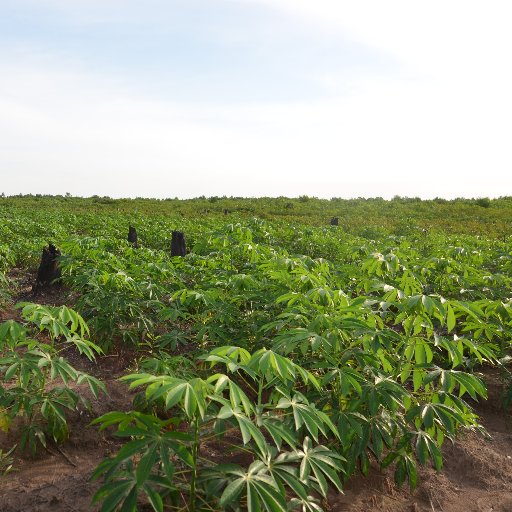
(35, 379)
(272, 440)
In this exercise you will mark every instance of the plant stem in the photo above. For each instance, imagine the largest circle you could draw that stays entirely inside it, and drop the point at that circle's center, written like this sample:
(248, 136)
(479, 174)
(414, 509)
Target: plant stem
(193, 478)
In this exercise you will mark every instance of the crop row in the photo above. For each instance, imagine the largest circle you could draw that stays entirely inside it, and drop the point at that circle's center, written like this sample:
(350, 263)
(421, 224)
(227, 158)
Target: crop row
(304, 353)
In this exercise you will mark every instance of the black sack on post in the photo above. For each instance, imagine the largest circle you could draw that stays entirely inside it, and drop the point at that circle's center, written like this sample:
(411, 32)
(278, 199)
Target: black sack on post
(132, 236)
(49, 269)
(178, 247)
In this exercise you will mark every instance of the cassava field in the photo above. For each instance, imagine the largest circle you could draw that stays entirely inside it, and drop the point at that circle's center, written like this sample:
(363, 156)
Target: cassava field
(283, 363)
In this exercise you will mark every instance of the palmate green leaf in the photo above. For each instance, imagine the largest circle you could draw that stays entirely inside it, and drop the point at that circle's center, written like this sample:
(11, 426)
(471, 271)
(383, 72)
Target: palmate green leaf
(427, 416)
(266, 360)
(481, 350)
(302, 340)
(307, 415)
(113, 494)
(310, 504)
(470, 384)
(261, 491)
(107, 467)
(154, 448)
(219, 381)
(377, 441)
(432, 375)
(253, 503)
(417, 378)
(425, 448)
(423, 353)
(166, 458)
(60, 367)
(133, 447)
(145, 465)
(488, 351)
(406, 372)
(271, 365)
(321, 464)
(428, 304)
(12, 370)
(11, 334)
(55, 320)
(250, 431)
(450, 318)
(303, 415)
(148, 432)
(287, 475)
(406, 468)
(130, 502)
(34, 366)
(112, 418)
(237, 397)
(467, 382)
(454, 350)
(95, 384)
(32, 435)
(232, 356)
(49, 409)
(190, 395)
(155, 500)
(470, 309)
(232, 492)
(225, 412)
(172, 394)
(85, 347)
(349, 380)
(270, 499)
(290, 298)
(174, 442)
(280, 432)
(448, 417)
(66, 315)
(307, 377)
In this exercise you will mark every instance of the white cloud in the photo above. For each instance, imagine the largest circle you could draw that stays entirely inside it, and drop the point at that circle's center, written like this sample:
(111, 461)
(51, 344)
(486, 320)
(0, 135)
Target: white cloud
(451, 35)
(382, 142)
(442, 129)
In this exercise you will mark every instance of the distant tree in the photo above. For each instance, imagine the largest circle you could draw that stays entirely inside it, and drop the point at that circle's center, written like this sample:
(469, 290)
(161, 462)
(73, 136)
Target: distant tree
(484, 202)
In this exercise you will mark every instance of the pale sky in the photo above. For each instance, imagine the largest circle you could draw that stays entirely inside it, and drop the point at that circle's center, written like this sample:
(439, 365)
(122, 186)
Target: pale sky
(329, 98)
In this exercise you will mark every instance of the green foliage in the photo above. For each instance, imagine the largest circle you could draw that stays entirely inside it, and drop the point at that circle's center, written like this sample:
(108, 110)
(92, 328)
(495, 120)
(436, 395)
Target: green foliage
(7, 259)
(6, 461)
(381, 356)
(5, 296)
(273, 426)
(484, 202)
(35, 378)
(305, 350)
